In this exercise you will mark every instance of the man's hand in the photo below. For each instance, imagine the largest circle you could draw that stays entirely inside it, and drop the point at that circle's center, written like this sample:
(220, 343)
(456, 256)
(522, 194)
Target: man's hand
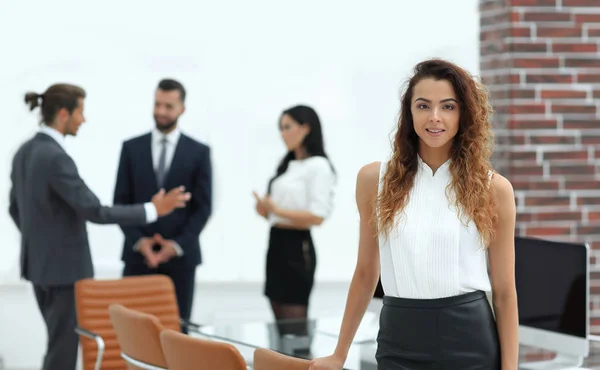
(166, 203)
(167, 249)
(145, 249)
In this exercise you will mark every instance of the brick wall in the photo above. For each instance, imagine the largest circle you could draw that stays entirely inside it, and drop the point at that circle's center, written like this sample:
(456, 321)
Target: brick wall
(541, 62)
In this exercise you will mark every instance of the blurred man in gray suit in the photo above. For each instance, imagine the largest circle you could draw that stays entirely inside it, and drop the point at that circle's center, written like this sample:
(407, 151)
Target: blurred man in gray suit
(50, 205)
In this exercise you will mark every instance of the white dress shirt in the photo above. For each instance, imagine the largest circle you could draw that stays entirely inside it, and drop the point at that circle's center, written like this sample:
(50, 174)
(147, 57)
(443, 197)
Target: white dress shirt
(430, 253)
(151, 213)
(172, 140)
(307, 185)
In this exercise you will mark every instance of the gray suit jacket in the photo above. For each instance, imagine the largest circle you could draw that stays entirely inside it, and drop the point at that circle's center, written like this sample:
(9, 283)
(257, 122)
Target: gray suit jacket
(50, 205)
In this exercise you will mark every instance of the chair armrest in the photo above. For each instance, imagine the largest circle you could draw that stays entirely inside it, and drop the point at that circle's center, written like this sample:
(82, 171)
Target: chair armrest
(99, 344)
(190, 325)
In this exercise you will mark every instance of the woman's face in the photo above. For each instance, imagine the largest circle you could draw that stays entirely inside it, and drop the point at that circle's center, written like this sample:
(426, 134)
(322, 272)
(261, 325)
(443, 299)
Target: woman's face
(292, 132)
(435, 112)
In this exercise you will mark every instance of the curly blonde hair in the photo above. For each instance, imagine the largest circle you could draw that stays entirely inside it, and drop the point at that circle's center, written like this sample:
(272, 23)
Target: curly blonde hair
(470, 153)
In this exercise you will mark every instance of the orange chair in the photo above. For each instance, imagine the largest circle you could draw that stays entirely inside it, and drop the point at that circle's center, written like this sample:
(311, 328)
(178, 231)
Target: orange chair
(183, 352)
(152, 294)
(265, 359)
(138, 334)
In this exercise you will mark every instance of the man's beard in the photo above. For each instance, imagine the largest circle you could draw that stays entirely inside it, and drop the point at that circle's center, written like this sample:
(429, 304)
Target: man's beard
(163, 127)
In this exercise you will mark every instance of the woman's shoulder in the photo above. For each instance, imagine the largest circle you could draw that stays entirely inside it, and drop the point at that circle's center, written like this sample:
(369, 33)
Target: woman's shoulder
(368, 176)
(502, 189)
(318, 163)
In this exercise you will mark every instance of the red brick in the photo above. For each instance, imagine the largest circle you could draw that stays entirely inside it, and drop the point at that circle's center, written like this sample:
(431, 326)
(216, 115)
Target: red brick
(533, 2)
(529, 47)
(571, 169)
(486, 6)
(588, 230)
(532, 124)
(533, 108)
(588, 201)
(535, 185)
(525, 217)
(575, 48)
(522, 94)
(590, 140)
(520, 32)
(535, 62)
(594, 32)
(491, 64)
(563, 94)
(541, 356)
(530, 170)
(516, 139)
(588, 77)
(580, 3)
(565, 155)
(596, 94)
(582, 63)
(558, 216)
(500, 78)
(582, 185)
(491, 47)
(558, 139)
(494, 18)
(549, 201)
(547, 231)
(549, 78)
(587, 18)
(552, 32)
(523, 156)
(594, 216)
(573, 109)
(531, 16)
(515, 16)
(573, 124)
(495, 34)
(498, 94)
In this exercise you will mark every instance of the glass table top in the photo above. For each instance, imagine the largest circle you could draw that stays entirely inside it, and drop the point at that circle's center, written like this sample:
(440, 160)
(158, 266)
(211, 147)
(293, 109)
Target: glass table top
(299, 338)
(318, 337)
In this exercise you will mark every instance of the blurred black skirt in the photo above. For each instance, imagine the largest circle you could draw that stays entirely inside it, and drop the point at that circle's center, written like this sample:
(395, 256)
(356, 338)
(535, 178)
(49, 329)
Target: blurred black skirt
(446, 333)
(290, 268)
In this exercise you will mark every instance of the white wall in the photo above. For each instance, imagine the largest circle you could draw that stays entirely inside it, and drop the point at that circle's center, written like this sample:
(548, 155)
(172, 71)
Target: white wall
(242, 64)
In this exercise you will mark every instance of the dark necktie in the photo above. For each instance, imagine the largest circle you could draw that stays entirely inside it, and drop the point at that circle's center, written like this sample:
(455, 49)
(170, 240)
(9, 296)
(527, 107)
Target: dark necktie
(161, 169)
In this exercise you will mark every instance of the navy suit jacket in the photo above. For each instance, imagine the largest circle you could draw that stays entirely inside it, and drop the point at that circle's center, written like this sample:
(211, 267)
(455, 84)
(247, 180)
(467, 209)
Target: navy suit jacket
(136, 183)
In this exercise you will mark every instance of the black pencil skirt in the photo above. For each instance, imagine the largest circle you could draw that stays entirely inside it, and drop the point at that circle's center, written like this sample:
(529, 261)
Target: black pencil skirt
(447, 333)
(290, 268)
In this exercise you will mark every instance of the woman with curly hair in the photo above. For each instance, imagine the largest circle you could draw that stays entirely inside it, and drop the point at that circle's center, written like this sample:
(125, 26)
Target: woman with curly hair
(431, 218)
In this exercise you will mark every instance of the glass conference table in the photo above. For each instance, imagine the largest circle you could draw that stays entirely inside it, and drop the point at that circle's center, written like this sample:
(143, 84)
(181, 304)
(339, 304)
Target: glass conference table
(318, 337)
(298, 338)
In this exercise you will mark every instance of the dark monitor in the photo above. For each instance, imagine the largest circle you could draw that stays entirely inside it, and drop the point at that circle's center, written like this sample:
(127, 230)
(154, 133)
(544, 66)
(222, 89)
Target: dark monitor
(552, 285)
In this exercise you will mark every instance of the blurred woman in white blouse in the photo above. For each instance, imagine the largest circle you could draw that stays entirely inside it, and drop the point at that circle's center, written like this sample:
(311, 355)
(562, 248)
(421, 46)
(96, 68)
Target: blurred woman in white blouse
(299, 196)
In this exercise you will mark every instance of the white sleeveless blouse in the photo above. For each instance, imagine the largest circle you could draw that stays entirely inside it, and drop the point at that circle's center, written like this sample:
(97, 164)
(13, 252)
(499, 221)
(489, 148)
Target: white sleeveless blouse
(430, 253)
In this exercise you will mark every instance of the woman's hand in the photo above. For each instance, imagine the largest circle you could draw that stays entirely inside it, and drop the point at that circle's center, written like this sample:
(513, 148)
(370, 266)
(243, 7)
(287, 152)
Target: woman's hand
(265, 204)
(327, 363)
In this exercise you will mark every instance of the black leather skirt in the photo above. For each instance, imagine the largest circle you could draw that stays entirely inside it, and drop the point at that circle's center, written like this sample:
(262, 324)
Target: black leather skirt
(447, 333)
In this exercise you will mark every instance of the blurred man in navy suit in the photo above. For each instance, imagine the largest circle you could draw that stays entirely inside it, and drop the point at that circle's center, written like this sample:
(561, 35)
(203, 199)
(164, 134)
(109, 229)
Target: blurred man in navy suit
(166, 158)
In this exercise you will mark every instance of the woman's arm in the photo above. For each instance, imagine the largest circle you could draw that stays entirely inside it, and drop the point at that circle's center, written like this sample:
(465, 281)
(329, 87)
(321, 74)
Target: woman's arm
(366, 273)
(304, 218)
(502, 270)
